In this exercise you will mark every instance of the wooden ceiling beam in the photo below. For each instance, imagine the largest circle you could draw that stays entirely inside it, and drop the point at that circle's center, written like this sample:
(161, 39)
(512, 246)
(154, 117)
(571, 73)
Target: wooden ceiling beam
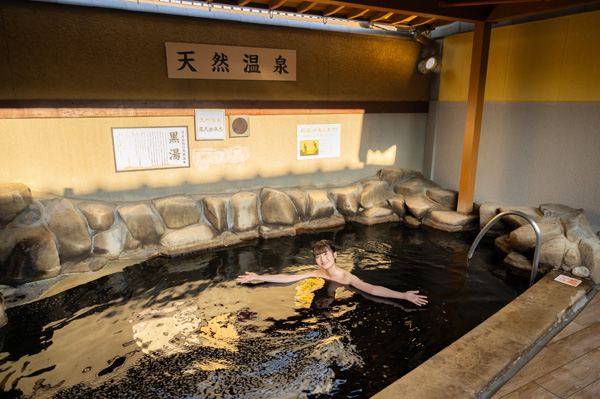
(242, 3)
(402, 19)
(305, 6)
(357, 12)
(517, 10)
(425, 22)
(424, 8)
(380, 16)
(331, 10)
(468, 3)
(275, 4)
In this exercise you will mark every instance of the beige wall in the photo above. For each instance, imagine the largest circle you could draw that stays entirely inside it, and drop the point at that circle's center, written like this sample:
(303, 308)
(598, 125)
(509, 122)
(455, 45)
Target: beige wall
(74, 156)
(58, 52)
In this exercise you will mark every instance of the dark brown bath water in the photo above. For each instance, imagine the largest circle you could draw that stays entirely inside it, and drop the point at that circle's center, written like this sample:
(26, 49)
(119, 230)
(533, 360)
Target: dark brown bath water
(182, 328)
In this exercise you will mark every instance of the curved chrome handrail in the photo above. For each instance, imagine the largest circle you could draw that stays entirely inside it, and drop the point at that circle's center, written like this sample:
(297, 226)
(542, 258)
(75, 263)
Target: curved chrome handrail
(538, 234)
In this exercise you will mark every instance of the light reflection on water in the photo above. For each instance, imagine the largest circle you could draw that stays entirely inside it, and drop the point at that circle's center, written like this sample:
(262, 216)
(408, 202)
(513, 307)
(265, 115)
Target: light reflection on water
(181, 328)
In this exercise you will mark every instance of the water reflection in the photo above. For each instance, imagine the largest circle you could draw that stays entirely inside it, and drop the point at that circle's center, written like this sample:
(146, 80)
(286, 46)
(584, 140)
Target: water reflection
(181, 327)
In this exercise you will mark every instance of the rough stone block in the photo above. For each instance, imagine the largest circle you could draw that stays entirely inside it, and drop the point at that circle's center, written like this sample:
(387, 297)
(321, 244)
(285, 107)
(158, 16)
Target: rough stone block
(245, 211)
(517, 221)
(451, 221)
(274, 232)
(14, 199)
(100, 215)
(298, 197)
(215, 210)
(553, 252)
(131, 243)
(518, 261)
(374, 193)
(410, 187)
(414, 186)
(577, 226)
(523, 239)
(503, 243)
(319, 205)
(488, 211)
(397, 204)
(28, 254)
(69, 227)
(394, 175)
(325, 223)
(87, 265)
(555, 210)
(177, 211)
(277, 208)
(346, 199)
(188, 239)
(110, 243)
(420, 205)
(30, 216)
(143, 224)
(590, 256)
(446, 198)
(411, 221)
(376, 215)
(580, 271)
(572, 257)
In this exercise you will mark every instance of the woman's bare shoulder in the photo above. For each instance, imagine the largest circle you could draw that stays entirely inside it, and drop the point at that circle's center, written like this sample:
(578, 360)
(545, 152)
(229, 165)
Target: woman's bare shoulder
(342, 277)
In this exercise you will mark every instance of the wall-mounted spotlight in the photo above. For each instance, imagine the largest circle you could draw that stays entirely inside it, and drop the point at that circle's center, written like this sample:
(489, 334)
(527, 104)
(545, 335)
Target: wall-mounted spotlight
(433, 64)
(430, 61)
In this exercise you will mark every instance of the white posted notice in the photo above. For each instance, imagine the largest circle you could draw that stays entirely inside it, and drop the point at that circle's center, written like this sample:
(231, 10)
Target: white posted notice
(150, 148)
(319, 141)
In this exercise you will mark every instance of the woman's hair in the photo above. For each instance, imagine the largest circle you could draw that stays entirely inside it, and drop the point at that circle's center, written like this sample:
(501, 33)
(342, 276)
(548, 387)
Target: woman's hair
(323, 246)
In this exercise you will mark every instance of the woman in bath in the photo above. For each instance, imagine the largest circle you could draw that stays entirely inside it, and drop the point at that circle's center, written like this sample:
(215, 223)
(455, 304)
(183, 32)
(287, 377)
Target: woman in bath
(325, 255)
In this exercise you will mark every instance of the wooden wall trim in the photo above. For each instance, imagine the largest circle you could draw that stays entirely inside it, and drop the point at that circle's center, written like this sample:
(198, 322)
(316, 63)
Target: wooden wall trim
(16, 109)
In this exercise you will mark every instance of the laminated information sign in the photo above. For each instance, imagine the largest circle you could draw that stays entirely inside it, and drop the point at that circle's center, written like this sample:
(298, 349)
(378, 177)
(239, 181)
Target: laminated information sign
(568, 280)
(318, 141)
(210, 124)
(150, 148)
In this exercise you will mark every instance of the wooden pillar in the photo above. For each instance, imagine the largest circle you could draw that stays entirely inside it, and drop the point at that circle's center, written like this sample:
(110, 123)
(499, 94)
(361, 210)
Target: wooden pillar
(468, 170)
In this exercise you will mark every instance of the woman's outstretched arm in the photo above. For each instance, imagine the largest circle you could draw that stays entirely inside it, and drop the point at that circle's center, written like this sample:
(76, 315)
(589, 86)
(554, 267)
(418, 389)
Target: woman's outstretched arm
(275, 278)
(377, 290)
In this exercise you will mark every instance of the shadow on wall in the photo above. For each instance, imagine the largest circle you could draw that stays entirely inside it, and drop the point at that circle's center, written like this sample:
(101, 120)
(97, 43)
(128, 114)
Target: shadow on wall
(316, 179)
(386, 141)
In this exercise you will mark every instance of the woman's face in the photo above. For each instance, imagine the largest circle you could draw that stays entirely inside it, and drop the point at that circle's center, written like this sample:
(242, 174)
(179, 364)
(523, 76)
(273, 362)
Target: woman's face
(326, 259)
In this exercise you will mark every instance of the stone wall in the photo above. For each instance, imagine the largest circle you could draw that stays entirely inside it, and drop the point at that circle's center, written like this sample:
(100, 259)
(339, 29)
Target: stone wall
(48, 236)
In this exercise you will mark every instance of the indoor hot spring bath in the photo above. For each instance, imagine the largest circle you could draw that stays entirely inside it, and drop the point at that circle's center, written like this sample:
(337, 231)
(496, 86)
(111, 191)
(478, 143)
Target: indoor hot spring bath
(182, 328)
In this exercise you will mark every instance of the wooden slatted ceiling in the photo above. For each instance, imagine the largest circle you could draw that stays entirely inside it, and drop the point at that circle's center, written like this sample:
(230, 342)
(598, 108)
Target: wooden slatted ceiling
(420, 14)
(344, 10)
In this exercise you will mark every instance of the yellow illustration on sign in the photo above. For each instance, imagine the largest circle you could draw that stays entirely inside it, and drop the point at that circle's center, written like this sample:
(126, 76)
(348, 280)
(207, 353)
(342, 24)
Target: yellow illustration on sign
(309, 147)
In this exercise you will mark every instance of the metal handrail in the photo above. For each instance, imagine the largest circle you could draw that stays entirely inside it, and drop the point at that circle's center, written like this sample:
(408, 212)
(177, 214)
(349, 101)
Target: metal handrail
(538, 234)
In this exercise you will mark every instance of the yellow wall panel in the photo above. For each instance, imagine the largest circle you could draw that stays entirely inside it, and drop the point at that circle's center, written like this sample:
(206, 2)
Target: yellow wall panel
(535, 60)
(580, 77)
(551, 60)
(496, 72)
(454, 80)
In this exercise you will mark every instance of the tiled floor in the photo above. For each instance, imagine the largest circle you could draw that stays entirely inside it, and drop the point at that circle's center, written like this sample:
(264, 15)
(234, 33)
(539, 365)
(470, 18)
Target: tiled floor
(569, 365)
